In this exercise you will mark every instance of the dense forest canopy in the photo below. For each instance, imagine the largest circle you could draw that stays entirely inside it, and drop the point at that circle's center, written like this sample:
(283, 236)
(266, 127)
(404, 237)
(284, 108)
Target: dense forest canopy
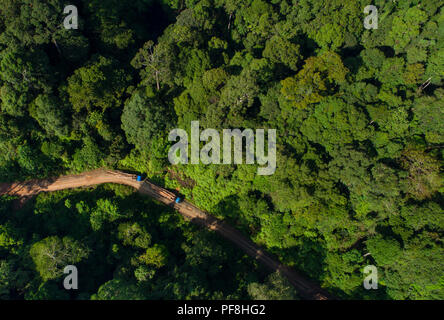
(359, 115)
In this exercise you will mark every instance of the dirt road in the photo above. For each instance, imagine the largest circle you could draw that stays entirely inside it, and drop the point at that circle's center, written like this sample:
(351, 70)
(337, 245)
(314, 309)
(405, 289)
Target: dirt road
(306, 288)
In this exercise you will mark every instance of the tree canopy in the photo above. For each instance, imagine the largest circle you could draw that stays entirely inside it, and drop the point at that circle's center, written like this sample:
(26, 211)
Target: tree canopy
(360, 131)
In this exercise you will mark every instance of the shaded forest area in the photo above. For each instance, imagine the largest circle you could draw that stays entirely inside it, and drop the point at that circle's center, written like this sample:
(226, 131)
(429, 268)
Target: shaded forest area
(359, 178)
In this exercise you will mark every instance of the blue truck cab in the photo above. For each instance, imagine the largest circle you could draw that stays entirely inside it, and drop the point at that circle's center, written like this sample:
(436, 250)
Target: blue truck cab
(139, 178)
(178, 200)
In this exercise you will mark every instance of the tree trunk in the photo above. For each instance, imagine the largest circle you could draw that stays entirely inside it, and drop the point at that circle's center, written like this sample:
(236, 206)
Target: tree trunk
(57, 46)
(157, 80)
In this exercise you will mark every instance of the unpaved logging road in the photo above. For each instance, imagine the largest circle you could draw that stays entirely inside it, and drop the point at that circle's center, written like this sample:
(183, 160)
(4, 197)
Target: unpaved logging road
(305, 287)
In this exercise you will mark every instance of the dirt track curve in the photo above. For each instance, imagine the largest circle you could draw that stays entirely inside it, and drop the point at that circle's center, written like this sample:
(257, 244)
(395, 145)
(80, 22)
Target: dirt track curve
(306, 288)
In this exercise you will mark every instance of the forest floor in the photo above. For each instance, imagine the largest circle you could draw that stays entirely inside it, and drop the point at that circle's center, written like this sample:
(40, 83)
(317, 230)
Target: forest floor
(305, 288)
